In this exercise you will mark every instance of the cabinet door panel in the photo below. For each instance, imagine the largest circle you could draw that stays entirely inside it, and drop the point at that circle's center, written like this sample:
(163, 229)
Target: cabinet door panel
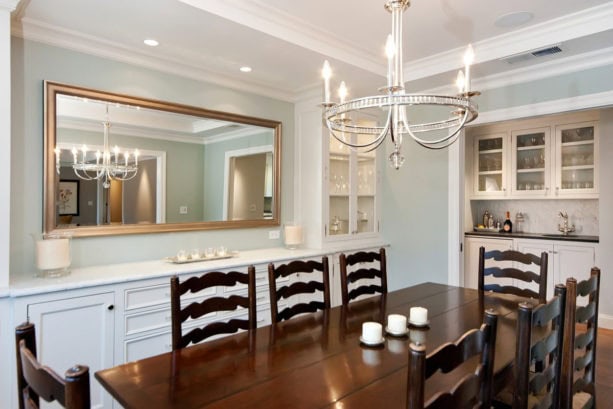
(471, 258)
(76, 331)
(574, 261)
(536, 248)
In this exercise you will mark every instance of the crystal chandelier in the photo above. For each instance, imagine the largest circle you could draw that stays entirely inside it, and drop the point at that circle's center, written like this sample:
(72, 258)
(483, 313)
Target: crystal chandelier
(106, 165)
(342, 118)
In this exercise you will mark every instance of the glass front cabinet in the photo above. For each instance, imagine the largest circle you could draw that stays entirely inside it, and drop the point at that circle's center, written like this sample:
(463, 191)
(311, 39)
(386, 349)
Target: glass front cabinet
(490, 165)
(577, 159)
(531, 162)
(351, 193)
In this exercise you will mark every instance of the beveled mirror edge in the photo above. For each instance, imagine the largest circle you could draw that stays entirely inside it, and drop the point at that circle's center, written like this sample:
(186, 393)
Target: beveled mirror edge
(50, 180)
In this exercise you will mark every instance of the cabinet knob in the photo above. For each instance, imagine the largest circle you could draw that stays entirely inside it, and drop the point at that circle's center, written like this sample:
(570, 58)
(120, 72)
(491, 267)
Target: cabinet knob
(110, 307)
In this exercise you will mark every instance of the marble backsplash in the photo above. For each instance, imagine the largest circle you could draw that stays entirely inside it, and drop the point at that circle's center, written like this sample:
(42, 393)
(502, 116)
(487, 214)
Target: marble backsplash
(541, 216)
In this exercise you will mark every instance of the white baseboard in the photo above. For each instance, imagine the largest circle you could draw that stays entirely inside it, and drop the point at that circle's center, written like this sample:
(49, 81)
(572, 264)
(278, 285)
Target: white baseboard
(605, 321)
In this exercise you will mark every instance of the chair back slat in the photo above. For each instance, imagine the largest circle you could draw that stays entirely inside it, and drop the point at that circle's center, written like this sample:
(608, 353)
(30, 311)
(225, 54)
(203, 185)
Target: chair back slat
(354, 270)
(474, 389)
(513, 272)
(35, 381)
(200, 308)
(295, 268)
(579, 356)
(539, 341)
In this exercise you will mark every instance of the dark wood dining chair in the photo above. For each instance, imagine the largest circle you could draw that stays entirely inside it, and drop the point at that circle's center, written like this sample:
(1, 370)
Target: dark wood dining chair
(35, 381)
(198, 309)
(353, 269)
(538, 352)
(299, 288)
(579, 352)
(474, 389)
(512, 272)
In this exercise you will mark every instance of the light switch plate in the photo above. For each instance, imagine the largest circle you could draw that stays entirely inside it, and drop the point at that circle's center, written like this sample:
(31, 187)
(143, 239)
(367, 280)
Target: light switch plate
(274, 234)
(183, 210)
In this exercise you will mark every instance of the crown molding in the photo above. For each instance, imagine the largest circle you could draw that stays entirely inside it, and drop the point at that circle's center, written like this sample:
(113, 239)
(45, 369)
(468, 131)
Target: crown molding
(57, 36)
(590, 101)
(548, 69)
(583, 23)
(259, 16)
(8, 5)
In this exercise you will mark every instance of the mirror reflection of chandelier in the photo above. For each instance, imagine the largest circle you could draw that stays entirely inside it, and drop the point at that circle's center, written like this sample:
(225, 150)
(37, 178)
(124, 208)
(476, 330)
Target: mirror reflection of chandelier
(350, 122)
(106, 165)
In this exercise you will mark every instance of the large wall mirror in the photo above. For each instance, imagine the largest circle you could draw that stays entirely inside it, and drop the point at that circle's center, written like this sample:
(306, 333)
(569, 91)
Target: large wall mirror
(117, 164)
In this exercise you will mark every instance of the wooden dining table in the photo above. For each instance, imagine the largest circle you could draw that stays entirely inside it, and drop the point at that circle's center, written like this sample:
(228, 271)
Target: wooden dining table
(315, 360)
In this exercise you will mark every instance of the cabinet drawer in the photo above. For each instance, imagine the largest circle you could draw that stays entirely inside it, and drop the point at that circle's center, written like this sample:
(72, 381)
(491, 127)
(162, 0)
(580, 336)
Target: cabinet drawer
(152, 320)
(147, 346)
(156, 295)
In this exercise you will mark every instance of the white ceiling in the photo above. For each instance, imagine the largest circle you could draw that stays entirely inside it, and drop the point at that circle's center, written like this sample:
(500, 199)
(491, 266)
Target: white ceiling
(286, 41)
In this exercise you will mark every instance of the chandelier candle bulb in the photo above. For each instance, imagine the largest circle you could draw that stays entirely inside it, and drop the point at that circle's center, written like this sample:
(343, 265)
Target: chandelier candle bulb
(372, 332)
(342, 92)
(74, 154)
(136, 153)
(389, 52)
(460, 82)
(469, 58)
(418, 315)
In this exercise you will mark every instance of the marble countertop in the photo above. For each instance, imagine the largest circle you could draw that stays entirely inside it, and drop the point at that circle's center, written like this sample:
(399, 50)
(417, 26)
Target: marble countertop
(536, 236)
(85, 277)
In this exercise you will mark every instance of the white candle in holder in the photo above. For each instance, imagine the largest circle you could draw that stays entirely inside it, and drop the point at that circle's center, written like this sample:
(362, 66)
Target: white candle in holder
(396, 323)
(418, 315)
(293, 236)
(52, 254)
(372, 332)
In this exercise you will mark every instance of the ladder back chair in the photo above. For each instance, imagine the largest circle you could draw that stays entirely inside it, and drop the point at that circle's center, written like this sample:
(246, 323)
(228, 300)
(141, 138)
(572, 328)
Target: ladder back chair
(474, 389)
(579, 360)
(526, 276)
(298, 288)
(198, 309)
(538, 353)
(35, 381)
(353, 271)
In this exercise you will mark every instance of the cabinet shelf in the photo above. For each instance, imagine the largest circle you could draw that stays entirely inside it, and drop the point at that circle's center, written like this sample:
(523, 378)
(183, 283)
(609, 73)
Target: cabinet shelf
(578, 167)
(579, 143)
(491, 172)
(531, 148)
(531, 170)
(489, 151)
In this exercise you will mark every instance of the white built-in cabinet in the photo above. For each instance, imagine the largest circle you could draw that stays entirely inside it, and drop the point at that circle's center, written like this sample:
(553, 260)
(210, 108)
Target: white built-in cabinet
(73, 328)
(546, 161)
(565, 258)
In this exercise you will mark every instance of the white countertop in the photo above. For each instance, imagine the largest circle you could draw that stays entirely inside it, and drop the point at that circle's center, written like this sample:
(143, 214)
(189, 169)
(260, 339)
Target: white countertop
(126, 272)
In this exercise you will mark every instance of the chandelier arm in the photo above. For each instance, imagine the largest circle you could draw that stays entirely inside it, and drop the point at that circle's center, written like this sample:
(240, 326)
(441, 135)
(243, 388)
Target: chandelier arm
(425, 142)
(377, 141)
(445, 144)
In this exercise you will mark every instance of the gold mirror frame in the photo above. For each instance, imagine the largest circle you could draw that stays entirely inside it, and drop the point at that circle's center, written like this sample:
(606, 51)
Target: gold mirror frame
(51, 179)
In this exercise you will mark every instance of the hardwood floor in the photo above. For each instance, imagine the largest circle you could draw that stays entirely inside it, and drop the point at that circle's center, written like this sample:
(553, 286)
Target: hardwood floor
(604, 368)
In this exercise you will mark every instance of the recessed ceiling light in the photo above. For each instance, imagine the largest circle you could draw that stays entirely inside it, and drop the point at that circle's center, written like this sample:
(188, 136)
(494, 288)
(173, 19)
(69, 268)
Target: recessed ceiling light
(151, 42)
(245, 69)
(514, 19)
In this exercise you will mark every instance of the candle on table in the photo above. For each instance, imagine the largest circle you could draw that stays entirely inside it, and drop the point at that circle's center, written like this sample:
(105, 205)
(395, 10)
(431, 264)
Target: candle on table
(418, 315)
(372, 332)
(396, 323)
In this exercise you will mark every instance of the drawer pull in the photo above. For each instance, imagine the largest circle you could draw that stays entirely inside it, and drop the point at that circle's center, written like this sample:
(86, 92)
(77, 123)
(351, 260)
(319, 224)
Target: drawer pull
(110, 307)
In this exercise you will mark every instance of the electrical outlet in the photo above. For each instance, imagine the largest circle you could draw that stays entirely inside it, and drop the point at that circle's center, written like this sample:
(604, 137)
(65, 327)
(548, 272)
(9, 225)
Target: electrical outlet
(274, 234)
(182, 209)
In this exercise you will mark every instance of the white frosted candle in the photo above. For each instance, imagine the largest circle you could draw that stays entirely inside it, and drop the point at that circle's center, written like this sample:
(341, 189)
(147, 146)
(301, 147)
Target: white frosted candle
(418, 315)
(52, 254)
(372, 332)
(396, 323)
(293, 236)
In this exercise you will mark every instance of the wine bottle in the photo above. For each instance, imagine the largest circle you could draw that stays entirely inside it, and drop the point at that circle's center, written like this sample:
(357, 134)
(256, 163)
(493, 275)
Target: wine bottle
(507, 227)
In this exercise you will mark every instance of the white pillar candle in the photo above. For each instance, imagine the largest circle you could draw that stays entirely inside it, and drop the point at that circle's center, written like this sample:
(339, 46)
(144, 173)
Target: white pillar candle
(396, 323)
(293, 236)
(52, 254)
(372, 332)
(418, 315)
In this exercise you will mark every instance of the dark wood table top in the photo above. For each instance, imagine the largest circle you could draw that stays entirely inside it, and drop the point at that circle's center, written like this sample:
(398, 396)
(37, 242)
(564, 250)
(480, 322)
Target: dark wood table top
(313, 361)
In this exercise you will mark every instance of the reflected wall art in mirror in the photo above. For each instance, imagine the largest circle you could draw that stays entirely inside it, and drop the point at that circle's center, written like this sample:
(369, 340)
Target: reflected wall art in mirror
(146, 166)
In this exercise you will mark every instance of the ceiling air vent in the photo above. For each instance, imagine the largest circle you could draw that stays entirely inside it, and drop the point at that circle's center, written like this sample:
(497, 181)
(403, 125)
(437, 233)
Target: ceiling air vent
(547, 51)
(531, 55)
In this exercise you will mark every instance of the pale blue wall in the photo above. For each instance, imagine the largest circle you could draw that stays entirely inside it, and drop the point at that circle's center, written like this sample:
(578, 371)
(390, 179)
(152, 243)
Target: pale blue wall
(34, 62)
